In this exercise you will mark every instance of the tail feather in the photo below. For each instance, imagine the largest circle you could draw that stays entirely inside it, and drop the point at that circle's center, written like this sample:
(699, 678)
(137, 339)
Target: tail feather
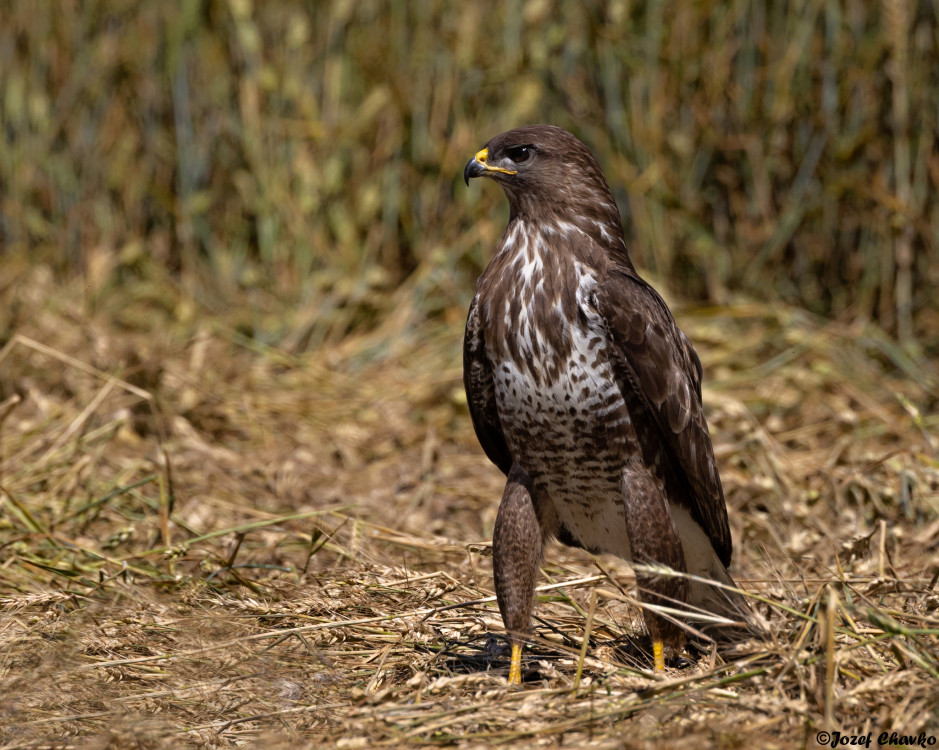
(702, 562)
(726, 603)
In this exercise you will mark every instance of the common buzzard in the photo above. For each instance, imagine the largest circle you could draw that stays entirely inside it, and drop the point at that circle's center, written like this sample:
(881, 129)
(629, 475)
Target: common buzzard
(587, 395)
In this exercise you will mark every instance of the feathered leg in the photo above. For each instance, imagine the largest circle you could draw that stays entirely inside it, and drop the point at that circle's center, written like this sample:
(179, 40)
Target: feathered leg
(517, 549)
(653, 539)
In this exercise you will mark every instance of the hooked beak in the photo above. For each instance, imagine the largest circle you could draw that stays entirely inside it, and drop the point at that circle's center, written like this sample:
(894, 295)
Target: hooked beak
(479, 165)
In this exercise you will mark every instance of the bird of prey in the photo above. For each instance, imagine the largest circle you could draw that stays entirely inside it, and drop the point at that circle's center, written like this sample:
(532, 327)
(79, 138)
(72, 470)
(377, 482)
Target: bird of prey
(587, 395)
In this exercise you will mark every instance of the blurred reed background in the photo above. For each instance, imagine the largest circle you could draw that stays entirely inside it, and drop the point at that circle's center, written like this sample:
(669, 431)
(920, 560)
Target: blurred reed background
(302, 161)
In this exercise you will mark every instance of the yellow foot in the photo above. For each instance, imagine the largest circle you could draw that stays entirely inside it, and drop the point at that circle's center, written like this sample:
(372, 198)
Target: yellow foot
(658, 654)
(515, 670)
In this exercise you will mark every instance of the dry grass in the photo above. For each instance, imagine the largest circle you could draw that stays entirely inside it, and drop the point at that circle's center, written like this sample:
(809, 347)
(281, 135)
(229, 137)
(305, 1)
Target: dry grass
(205, 542)
(240, 498)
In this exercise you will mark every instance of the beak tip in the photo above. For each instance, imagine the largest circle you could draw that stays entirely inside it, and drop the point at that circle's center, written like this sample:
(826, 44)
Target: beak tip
(473, 169)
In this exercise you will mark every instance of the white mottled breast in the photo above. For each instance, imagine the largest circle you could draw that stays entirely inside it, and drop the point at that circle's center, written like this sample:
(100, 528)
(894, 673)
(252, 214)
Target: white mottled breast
(562, 412)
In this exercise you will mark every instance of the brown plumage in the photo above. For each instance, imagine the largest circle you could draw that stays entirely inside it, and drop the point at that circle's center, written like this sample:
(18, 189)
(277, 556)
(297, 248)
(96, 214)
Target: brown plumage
(585, 393)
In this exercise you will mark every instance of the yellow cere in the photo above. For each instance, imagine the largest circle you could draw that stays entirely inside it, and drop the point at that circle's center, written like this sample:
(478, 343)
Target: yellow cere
(483, 155)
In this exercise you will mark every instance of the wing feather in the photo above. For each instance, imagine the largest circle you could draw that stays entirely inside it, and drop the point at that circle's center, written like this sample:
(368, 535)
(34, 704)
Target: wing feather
(657, 360)
(480, 392)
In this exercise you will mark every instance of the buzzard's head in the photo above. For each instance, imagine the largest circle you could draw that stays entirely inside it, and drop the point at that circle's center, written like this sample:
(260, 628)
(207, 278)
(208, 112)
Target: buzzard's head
(546, 173)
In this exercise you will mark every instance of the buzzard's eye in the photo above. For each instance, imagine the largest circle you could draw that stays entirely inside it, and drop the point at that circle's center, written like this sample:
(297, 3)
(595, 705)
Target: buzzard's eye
(520, 154)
